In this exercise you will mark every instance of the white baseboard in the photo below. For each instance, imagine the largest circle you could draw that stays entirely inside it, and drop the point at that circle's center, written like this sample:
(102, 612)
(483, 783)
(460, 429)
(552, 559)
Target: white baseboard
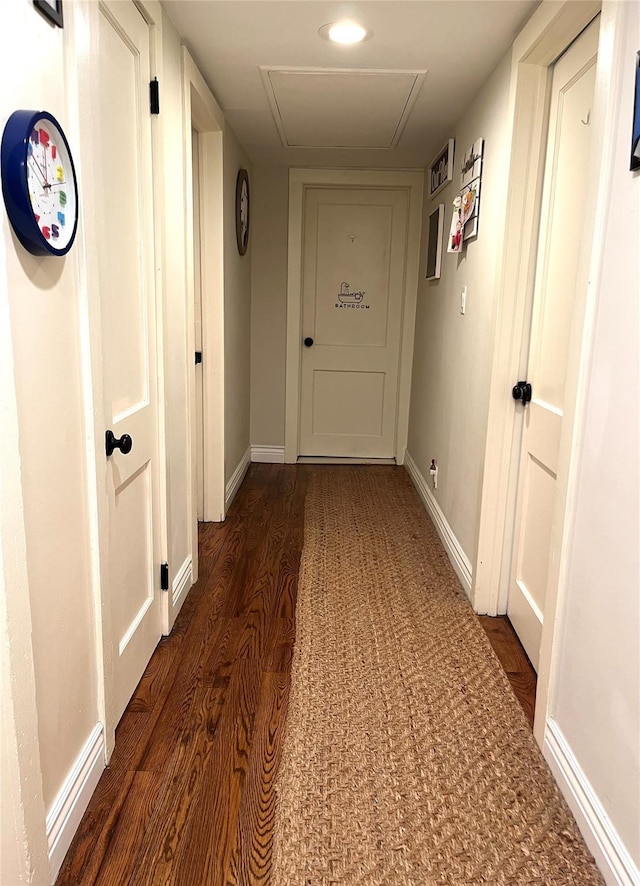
(72, 800)
(270, 455)
(236, 479)
(615, 863)
(181, 584)
(341, 460)
(459, 560)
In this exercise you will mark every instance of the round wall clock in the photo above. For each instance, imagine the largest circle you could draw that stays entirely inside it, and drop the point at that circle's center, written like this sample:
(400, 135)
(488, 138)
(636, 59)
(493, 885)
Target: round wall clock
(242, 211)
(39, 183)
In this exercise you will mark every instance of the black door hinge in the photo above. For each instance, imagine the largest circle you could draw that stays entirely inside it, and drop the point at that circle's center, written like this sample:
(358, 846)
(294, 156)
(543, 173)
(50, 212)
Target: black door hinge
(164, 576)
(198, 357)
(154, 96)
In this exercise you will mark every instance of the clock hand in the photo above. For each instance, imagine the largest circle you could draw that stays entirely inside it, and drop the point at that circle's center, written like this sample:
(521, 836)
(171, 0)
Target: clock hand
(40, 170)
(46, 174)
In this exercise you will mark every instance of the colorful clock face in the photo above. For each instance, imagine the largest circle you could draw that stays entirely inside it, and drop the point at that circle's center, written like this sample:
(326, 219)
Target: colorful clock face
(39, 183)
(50, 184)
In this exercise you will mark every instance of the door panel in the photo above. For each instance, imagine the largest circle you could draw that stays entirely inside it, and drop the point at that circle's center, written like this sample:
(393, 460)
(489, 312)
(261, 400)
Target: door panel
(127, 295)
(197, 319)
(566, 170)
(348, 403)
(133, 540)
(353, 288)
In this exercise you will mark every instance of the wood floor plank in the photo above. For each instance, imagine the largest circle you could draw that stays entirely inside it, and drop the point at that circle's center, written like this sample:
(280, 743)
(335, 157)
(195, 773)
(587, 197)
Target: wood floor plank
(189, 838)
(513, 659)
(132, 822)
(250, 858)
(283, 634)
(178, 797)
(91, 842)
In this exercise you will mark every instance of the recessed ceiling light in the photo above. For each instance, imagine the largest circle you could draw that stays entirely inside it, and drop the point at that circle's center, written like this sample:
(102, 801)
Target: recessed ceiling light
(344, 32)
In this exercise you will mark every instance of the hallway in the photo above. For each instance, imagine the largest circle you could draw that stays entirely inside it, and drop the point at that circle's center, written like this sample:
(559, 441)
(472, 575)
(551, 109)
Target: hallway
(201, 346)
(188, 795)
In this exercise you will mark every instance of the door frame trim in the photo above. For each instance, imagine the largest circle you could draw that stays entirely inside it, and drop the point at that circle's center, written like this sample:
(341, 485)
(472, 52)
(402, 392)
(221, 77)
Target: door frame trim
(548, 33)
(201, 112)
(299, 180)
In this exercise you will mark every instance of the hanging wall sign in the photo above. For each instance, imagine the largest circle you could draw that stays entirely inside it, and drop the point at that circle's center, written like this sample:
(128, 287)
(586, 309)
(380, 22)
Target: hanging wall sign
(348, 298)
(470, 192)
(441, 170)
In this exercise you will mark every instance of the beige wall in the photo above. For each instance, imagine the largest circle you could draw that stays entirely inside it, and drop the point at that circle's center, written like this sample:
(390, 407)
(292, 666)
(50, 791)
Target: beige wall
(595, 690)
(269, 304)
(45, 303)
(452, 355)
(23, 844)
(237, 313)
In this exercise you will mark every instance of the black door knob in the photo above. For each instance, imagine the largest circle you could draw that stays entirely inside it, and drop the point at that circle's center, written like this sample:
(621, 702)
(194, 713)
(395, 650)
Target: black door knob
(111, 442)
(522, 391)
(308, 341)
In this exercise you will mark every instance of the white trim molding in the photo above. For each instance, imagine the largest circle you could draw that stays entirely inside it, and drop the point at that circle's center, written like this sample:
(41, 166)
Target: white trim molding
(236, 478)
(615, 863)
(270, 455)
(459, 560)
(181, 585)
(202, 113)
(72, 800)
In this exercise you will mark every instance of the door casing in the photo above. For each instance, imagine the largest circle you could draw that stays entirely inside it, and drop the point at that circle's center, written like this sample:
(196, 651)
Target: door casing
(549, 32)
(202, 113)
(299, 180)
(547, 356)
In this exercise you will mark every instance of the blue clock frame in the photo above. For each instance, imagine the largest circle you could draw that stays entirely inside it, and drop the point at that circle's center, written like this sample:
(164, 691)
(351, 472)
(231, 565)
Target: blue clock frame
(15, 190)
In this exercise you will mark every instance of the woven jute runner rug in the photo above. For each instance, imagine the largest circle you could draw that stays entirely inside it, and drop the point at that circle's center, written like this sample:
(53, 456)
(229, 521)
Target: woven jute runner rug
(407, 759)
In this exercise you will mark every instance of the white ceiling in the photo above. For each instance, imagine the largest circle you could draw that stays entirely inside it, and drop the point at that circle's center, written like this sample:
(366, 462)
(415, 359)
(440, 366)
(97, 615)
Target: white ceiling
(244, 47)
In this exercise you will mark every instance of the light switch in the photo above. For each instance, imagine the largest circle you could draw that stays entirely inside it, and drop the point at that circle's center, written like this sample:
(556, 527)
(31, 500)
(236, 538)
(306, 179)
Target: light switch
(463, 300)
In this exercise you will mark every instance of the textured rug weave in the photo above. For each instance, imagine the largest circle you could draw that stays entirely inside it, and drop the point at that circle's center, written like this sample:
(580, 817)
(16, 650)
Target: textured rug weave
(407, 760)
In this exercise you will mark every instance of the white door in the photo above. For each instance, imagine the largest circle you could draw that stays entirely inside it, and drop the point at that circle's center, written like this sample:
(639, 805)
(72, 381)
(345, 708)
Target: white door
(566, 171)
(127, 296)
(354, 258)
(197, 321)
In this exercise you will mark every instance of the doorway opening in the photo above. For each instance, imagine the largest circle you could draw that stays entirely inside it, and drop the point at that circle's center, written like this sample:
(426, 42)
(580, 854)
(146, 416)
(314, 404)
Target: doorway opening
(204, 144)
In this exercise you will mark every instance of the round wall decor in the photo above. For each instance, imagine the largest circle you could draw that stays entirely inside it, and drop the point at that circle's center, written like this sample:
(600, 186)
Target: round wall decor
(39, 182)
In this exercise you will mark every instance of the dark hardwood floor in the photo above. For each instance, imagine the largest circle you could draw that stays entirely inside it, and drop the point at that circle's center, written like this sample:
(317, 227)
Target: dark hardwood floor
(513, 659)
(188, 796)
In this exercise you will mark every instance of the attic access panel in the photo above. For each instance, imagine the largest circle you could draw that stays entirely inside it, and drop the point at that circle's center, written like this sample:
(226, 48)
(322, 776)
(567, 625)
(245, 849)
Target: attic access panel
(341, 108)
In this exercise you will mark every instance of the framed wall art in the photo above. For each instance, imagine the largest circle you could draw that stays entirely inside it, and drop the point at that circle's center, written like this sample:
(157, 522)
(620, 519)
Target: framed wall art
(441, 170)
(471, 178)
(50, 9)
(242, 211)
(434, 243)
(635, 137)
